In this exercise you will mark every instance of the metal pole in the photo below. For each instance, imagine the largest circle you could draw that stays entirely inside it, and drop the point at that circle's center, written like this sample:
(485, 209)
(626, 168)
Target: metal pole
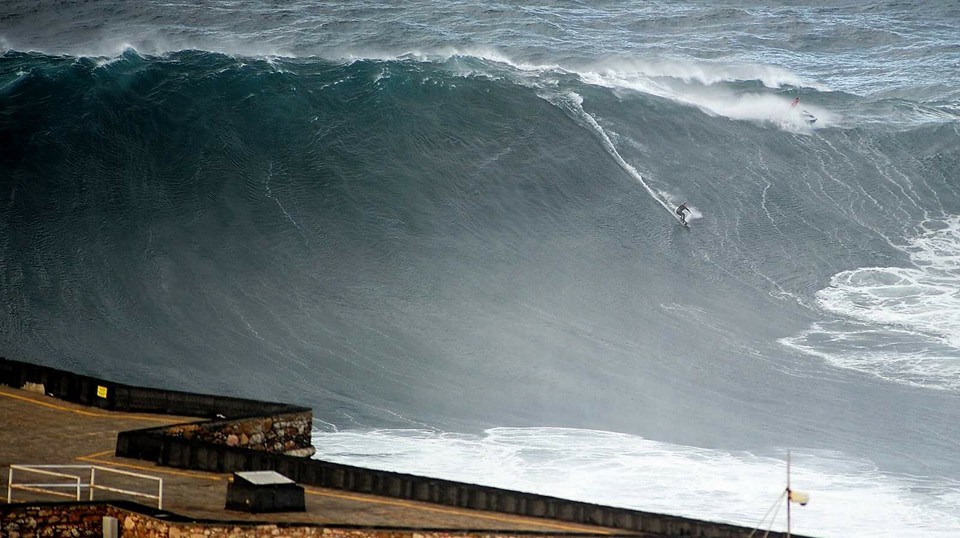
(160, 494)
(10, 485)
(788, 494)
(93, 479)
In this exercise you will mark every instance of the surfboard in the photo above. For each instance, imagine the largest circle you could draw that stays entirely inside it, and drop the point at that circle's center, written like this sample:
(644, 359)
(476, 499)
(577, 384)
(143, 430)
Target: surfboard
(811, 119)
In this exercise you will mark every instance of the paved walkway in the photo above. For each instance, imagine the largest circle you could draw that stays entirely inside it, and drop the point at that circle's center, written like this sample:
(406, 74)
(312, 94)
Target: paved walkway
(37, 429)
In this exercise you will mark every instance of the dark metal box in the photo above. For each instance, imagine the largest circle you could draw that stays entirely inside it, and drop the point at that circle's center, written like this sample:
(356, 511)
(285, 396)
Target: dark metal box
(264, 491)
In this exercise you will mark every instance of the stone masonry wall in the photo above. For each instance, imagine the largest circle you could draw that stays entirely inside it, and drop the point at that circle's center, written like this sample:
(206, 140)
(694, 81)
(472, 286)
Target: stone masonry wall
(86, 521)
(278, 434)
(80, 521)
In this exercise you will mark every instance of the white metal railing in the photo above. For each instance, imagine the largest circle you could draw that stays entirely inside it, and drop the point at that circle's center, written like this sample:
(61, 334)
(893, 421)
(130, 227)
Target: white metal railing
(75, 482)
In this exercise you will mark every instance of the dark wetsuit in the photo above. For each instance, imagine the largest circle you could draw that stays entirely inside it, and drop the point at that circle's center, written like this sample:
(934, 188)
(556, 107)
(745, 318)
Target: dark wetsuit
(680, 211)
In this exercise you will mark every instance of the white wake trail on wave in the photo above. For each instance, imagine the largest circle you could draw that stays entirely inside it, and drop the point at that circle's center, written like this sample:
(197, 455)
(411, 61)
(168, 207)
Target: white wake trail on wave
(572, 103)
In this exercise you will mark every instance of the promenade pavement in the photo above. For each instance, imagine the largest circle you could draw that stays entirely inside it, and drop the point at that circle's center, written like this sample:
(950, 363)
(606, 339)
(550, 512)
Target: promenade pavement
(38, 429)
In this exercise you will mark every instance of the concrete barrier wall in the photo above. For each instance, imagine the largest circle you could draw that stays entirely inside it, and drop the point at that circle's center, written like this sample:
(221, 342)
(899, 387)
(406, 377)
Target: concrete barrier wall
(267, 426)
(60, 384)
(107, 394)
(196, 455)
(172, 402)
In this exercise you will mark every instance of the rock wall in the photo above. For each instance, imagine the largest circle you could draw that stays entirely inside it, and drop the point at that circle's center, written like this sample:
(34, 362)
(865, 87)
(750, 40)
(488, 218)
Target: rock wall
(278, 434)
(74, 520)
(85, 520)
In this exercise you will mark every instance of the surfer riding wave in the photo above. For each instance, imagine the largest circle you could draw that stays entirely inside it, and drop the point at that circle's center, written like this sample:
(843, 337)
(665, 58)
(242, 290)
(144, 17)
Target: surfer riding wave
(682, 211)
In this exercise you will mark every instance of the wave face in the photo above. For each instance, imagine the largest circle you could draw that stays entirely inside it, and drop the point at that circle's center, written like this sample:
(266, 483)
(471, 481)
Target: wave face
(450, 230)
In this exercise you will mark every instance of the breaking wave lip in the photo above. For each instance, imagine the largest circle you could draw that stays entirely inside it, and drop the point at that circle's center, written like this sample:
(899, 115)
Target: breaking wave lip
(686, 70)
(701, 72)
(683, 69)
(768, 108)
(714, 89)
(848, 496)
(689, 82)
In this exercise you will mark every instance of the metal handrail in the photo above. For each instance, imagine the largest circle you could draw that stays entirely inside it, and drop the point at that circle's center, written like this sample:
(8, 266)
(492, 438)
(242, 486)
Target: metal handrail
(93, 485)
(39, 469)
(78, 484)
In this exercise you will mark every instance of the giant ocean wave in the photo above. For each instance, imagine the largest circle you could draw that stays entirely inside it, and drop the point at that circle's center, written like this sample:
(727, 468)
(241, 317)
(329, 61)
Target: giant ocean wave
(454, 241)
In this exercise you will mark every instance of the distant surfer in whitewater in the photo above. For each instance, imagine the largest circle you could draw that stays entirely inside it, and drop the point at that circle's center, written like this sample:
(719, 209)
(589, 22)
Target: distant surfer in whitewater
(682, 211)
(811, 119)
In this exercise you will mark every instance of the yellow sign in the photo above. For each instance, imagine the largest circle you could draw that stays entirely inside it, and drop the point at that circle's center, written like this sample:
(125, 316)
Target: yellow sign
(101, 391)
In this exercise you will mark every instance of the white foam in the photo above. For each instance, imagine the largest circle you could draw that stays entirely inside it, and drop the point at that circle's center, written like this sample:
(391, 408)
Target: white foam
(689, 82)
(612, 70)
(120, 56)
(675, 202)
(903, 323)
(700, 84)
(443, 54)
(720, 101)
(848, 497)
(689, 70)
(895, 355)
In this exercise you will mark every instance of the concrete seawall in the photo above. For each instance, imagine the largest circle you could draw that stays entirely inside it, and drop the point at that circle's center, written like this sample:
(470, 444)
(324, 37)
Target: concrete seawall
(225, 445)
(255, 425)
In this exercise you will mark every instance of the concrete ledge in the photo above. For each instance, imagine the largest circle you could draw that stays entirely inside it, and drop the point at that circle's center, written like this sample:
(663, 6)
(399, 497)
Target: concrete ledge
(114, 396)
(257, 425)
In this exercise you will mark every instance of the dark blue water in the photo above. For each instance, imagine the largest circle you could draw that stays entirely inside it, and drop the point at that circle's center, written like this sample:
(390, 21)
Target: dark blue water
(449, 229)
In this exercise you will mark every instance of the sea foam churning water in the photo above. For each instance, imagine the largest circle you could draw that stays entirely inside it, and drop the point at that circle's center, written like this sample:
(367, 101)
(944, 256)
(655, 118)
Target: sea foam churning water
(627, 471)
(900, 323)
(448, 228)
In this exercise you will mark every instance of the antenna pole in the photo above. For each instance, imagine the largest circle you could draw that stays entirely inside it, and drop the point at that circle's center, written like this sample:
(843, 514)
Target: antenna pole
(788, 493)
